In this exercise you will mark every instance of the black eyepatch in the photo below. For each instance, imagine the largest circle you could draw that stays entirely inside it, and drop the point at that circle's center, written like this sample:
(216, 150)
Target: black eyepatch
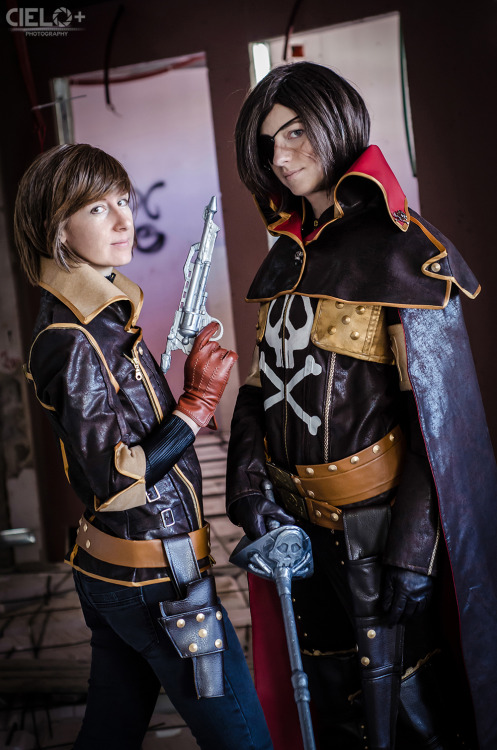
(265, 144)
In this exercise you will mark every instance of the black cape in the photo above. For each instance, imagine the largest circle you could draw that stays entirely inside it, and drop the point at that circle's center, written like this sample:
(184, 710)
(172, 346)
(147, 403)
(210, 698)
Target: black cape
(382, 253)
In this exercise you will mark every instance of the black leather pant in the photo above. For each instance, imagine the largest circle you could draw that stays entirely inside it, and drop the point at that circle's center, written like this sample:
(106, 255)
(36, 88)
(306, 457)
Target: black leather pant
(422, 713)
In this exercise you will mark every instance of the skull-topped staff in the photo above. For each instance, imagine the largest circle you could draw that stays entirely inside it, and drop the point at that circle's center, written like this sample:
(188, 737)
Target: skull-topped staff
(282, 554)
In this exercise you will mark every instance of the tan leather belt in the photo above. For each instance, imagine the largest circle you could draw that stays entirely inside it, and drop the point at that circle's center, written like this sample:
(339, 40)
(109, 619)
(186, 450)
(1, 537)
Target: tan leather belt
(318, 491)
(135, 554)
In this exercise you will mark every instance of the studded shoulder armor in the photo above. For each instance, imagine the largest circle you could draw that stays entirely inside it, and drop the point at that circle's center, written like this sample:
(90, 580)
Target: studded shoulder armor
(358, 331)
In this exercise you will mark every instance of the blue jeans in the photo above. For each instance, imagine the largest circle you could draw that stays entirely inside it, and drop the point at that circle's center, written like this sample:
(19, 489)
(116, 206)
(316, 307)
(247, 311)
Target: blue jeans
(132, 657)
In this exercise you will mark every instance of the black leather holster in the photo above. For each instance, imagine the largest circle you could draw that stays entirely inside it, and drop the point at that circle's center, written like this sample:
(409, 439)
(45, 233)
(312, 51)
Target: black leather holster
(380, 647)
(194, 621)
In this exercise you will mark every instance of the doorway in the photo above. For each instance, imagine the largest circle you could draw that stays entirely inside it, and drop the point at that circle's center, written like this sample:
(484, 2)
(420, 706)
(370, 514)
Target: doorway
(157, 122)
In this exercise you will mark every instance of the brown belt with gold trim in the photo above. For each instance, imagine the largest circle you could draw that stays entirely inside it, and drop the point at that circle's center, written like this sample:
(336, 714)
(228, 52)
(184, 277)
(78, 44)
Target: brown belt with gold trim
(135, 554)
(318, 491)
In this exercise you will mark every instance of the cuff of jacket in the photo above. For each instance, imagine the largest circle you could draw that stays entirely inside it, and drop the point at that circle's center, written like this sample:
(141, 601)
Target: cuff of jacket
(129, 462)
(165, 446)
(231, 510)
(246, 462)
(414, 533)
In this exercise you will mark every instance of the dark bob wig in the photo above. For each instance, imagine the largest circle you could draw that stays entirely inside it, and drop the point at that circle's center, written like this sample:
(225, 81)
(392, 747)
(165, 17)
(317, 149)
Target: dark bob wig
(334, 116)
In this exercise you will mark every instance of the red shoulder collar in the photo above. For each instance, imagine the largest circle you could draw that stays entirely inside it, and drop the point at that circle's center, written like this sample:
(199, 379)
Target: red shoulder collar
(373, 166)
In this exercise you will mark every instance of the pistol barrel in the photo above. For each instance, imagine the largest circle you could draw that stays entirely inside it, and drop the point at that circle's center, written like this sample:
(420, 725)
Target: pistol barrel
(191, 315)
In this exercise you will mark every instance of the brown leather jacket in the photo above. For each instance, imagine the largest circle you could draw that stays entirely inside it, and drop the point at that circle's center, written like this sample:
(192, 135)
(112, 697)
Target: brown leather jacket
(103, 393)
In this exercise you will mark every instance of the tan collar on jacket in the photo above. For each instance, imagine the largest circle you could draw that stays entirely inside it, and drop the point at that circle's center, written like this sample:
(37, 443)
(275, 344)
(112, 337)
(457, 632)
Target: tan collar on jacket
(87, 292)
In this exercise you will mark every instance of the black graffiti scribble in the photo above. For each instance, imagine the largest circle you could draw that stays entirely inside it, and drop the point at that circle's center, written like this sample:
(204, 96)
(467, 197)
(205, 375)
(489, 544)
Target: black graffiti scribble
(144, 199)
(149, 238)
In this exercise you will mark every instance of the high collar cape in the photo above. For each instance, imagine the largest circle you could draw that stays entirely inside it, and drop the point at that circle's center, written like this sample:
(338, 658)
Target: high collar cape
(374, 250)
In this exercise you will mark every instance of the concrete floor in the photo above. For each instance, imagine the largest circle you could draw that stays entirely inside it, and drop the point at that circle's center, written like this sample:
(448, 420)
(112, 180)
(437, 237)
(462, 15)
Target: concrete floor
(44, 642)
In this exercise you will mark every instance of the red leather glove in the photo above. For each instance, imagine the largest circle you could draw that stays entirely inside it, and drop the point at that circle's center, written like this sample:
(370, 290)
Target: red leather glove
(207, 369)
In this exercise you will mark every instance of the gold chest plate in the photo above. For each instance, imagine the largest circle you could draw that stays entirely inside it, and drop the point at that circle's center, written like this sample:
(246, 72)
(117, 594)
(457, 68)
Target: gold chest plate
(358, 331)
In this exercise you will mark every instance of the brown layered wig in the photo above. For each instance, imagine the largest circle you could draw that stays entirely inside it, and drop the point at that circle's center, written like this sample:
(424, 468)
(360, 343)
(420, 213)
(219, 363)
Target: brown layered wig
(57, 184)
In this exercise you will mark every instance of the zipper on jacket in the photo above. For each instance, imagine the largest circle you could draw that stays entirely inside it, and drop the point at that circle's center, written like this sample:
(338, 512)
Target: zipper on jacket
(283, 357)
(141, 375)
(327, 407)
(435, 548)
(192, 492)
(136, 364)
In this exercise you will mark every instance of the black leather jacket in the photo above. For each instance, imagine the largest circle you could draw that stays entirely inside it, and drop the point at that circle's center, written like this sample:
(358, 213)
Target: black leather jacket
(103, 393)
(376, 254)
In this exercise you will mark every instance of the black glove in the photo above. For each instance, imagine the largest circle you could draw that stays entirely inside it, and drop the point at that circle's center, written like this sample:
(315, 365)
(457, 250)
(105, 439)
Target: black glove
(405, 593)
(253, 512)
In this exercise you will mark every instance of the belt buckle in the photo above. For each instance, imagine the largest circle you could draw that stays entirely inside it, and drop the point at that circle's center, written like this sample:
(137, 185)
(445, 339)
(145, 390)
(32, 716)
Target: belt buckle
(282, 479)
(285, 489)
(152, 494)
(294, 504)
(168, 517)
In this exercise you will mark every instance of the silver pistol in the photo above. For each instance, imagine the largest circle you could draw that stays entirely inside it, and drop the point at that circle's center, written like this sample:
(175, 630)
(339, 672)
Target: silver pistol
(191, 315)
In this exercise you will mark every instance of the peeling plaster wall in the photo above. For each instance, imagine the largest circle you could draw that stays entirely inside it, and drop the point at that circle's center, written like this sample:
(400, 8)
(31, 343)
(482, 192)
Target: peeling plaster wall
(19, 501)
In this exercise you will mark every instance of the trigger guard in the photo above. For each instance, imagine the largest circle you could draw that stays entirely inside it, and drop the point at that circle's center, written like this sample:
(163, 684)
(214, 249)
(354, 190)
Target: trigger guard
(186, 343)
(221, 329)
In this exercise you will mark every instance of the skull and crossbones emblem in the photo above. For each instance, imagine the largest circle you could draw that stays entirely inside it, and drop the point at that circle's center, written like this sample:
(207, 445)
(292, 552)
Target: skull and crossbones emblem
(286, 547)
(298, 338)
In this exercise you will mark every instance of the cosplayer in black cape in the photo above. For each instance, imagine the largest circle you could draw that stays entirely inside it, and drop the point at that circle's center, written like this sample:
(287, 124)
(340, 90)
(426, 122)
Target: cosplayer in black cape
(370, 250)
